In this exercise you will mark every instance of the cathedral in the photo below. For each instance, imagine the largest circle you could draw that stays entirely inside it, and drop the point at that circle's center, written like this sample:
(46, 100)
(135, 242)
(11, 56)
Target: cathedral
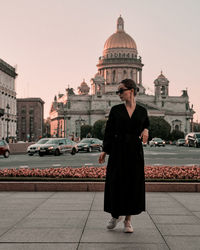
(119, 60)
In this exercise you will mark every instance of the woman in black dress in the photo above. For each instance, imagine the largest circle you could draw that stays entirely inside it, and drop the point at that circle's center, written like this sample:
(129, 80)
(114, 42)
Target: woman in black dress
(126, 127)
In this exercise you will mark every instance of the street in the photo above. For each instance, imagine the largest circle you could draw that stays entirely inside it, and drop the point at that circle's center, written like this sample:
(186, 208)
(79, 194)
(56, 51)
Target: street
(169, 155)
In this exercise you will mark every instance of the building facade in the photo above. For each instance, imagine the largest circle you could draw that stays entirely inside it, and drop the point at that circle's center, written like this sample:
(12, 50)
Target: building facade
(30, 119)
(8, 108)
(120, 60)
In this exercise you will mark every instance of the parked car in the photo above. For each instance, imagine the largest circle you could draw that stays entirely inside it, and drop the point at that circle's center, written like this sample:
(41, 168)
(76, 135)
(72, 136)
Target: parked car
(90, 144)
(157, 142)
(193, 139)
(180, 142)
(34, 148)
(173, 142)
(4, 148)
(58, 146)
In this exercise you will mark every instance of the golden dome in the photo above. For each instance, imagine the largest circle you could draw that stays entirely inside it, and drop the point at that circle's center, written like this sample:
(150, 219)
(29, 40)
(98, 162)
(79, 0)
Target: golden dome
(120, 39)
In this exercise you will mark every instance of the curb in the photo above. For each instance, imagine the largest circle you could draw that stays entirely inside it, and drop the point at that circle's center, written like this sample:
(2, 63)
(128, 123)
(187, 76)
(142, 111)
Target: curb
(92, 186)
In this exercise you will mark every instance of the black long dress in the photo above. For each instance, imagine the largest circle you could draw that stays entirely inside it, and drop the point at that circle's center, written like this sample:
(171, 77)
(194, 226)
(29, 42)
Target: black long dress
(125, 185)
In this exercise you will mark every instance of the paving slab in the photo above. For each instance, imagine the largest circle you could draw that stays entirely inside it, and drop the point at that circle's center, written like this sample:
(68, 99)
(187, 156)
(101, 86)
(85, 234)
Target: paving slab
(169, 210)
(59, 205)
(5, 194)
(197, 214)
(14, 213)
(189, 201)
(114, 236)
(183, 243)
(42, 235)
(30, 195)
(124, 246)
(76, 220)
(74, 196)
(177, 229)
(24, 204)
(56, 214)
(175, 219)
(38, 246)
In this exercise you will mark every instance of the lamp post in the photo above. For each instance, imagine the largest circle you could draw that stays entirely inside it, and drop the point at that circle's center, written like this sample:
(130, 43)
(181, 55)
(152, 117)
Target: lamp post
(81, 122)
(7, 107)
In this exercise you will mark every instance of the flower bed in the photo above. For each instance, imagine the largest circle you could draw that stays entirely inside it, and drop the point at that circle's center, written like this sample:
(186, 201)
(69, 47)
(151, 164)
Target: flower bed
(152, 173)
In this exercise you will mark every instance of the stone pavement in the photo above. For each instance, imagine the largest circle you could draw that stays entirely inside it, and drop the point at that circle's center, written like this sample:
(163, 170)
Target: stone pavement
(75, 220)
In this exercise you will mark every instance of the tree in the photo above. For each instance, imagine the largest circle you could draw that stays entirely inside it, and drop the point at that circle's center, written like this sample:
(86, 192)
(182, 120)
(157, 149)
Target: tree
(99, 129)
(196, 127)
(176, 134)
(85, 130)
(159, 128)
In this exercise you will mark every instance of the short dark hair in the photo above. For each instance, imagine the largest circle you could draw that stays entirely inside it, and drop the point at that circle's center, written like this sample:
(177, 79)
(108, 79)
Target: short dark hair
(130, 84)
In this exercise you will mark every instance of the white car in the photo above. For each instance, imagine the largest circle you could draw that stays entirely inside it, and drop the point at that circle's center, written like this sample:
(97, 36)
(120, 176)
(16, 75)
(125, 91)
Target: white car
(34, 148)
(157, 142)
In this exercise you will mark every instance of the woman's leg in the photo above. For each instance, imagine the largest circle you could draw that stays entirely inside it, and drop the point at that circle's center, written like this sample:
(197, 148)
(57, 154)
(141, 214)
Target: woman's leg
(128, 218)
(127, 224)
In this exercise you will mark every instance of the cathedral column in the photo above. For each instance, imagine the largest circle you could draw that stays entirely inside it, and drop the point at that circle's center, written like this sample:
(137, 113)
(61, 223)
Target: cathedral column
(68, 129)
(140, 77)
(136, 79)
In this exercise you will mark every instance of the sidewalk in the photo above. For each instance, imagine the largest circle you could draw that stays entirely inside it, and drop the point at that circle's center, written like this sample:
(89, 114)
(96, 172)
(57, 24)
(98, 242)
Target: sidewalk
(75, 220)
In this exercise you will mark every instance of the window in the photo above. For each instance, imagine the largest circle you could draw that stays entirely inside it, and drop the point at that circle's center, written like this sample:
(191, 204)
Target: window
(31, 124)
(31, 111)
(177, 128)
(23, 121)
(163, 90)
(23, 111)
(113, 76)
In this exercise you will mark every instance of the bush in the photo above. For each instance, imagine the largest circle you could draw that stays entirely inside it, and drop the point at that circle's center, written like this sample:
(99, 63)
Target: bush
(159, 128)
(99, 129)
(151, 173)
(85, 130)
(175, 135)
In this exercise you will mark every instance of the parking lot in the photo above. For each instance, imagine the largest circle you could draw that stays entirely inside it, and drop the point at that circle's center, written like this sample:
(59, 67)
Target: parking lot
(168, 155)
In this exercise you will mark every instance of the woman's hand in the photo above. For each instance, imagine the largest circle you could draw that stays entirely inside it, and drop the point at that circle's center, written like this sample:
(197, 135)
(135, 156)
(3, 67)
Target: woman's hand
(102, 157)
(145, 135)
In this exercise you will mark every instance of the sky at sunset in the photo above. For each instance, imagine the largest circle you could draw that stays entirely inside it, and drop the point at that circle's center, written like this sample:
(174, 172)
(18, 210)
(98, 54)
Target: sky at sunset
(56, 43)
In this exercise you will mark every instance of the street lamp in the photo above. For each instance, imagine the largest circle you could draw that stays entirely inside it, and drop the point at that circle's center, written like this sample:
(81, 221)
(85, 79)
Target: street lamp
(7, 107)
(81, 122)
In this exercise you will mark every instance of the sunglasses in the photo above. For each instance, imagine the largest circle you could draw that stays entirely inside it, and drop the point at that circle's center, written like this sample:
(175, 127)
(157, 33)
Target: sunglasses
(121, 91)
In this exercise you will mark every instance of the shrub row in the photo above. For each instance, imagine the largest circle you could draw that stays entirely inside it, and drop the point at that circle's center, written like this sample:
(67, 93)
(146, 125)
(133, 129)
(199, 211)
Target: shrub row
(151, 172)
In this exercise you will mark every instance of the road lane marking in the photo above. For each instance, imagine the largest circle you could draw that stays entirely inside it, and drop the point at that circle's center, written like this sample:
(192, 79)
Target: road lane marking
(23, 166)
(158, 153)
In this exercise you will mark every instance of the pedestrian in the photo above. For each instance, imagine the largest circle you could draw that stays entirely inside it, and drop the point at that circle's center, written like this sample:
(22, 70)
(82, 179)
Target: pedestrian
(126, 127)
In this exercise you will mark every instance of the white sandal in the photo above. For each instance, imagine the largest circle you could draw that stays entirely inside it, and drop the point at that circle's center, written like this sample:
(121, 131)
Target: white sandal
(128, 227)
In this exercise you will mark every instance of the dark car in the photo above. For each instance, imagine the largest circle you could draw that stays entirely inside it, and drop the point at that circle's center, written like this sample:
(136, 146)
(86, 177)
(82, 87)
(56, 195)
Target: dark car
(4, 149)
(192, 139)
(180, 142)
(90, 144)
(32, 149)
(57, 146)
(157, 142)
